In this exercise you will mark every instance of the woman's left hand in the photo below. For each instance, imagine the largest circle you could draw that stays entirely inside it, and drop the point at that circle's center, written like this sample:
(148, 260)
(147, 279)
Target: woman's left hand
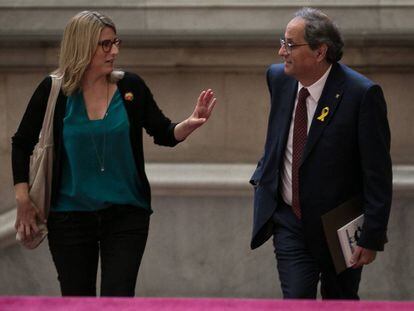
(203, 109)
(205, 104)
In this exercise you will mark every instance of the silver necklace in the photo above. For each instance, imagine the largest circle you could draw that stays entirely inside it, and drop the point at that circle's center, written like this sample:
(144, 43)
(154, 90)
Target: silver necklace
(101, 159)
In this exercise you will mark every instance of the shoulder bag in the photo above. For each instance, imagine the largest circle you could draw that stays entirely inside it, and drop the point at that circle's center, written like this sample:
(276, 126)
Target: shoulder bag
(41, 163)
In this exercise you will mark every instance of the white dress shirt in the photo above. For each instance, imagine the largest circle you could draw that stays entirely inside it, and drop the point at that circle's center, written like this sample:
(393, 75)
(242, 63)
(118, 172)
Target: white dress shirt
(315, 91)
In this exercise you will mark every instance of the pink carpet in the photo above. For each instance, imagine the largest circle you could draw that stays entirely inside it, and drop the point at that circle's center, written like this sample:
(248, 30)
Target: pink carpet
(187, 304)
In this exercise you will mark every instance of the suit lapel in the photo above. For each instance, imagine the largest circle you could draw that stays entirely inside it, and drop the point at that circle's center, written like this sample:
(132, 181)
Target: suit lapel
(281, 115)
(330, 98)
(288, 96)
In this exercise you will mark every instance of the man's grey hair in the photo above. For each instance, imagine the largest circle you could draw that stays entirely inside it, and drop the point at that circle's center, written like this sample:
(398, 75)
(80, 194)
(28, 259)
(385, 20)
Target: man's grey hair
(319, 29)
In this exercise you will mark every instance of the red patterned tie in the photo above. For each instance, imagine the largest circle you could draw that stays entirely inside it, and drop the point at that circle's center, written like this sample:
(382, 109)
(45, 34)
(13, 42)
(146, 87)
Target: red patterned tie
(300, 134)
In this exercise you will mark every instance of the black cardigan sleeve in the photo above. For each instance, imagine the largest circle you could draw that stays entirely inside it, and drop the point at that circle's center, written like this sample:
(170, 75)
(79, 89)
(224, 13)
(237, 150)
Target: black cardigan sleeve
(27, 134)
(150, 116)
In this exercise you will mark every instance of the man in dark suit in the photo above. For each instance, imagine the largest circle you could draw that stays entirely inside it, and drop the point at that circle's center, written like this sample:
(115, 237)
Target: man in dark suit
(328, 141)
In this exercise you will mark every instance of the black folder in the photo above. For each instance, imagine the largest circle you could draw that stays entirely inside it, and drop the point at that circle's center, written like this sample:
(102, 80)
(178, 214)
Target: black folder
(335, 219)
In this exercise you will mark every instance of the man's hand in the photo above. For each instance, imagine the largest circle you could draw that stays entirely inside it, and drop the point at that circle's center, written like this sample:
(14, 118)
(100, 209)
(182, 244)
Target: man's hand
(362, 256)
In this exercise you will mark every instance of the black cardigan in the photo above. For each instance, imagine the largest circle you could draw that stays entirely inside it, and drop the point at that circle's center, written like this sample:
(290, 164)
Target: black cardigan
(142, 112)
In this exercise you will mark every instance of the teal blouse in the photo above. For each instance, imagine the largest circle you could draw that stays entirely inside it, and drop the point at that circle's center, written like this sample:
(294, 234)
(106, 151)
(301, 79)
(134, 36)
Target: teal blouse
(98, 167)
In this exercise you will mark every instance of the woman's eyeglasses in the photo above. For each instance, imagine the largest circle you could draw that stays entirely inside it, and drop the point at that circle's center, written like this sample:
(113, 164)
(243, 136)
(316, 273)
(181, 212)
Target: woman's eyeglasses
(107, 44)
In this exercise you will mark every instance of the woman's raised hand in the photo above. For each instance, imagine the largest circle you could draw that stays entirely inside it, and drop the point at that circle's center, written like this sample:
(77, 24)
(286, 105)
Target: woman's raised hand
(202, 111)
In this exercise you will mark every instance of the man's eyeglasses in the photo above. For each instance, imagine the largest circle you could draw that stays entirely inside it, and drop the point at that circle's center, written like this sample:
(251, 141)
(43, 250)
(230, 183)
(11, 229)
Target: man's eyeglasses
(107, 44)
(289, 46)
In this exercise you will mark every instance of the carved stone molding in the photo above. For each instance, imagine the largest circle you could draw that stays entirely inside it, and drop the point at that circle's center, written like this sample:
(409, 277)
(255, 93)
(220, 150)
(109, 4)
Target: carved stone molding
(208, 20)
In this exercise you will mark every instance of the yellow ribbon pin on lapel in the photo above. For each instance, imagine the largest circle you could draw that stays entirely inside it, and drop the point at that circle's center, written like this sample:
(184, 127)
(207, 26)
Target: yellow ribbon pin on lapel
(324, 114)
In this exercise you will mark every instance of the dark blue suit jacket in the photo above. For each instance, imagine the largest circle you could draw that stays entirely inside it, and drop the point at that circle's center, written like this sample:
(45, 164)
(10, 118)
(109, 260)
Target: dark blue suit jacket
(346, 154)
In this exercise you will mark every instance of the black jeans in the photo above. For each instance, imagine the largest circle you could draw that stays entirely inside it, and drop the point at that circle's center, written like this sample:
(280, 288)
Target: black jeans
(117, 234)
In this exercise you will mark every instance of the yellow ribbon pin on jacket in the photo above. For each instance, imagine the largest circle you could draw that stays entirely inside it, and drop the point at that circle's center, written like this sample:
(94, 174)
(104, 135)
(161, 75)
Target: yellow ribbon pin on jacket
(129, 96)
(324, 114)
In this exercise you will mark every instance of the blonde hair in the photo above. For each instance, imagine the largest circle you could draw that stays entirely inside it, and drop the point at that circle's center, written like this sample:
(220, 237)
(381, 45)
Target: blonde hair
(78, 45)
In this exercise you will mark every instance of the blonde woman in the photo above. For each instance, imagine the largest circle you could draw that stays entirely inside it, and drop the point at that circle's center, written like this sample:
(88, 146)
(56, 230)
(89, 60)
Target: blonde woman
(100, 194)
